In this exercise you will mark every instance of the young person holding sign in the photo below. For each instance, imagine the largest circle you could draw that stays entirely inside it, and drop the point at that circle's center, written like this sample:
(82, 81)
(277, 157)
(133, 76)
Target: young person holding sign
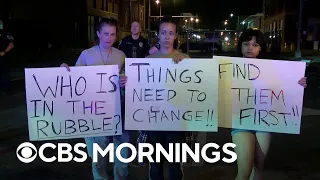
(105, 54)
(252, 146)
(167, 33)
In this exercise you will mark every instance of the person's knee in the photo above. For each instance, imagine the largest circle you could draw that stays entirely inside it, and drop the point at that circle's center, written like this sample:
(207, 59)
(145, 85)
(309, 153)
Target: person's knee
(259, 164)
(244, 172)
(243, 175)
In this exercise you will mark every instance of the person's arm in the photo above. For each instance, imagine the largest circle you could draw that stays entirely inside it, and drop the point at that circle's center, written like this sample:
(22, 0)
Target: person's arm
(10, 46)
(153, 49)
(122, 63)
(180, 56)
(80, 62)
(303, 82)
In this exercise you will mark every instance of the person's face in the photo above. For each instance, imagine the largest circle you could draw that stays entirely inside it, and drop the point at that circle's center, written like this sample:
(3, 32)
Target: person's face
(135, 28)
(250, 49)
(167, 35)
(107, 35)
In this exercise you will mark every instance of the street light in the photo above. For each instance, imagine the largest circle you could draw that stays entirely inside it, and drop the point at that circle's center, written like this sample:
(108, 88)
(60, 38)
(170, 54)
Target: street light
(225, 24)
(197, 20)
(191, 19)
(149, 17)
(158, 2)
(231, 15)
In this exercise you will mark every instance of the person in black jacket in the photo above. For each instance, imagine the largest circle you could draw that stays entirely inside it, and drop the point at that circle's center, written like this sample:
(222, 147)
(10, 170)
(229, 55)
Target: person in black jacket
(134, 45)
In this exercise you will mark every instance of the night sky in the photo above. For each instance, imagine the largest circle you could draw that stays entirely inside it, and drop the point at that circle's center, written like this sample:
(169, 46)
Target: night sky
(211, 13)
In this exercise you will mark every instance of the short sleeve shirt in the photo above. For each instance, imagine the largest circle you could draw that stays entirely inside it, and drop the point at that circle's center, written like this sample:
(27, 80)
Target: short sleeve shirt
(95, 57)
(138, 48)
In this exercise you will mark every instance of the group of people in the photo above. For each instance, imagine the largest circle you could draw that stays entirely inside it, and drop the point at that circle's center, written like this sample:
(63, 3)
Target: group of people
(251, 146)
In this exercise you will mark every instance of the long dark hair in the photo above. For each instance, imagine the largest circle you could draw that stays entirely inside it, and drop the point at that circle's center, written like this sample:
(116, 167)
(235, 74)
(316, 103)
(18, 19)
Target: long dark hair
(247, 36)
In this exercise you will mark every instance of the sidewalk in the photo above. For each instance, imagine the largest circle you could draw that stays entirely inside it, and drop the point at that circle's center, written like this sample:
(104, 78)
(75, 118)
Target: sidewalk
(291, 157)
(18, 73)
(21, 59)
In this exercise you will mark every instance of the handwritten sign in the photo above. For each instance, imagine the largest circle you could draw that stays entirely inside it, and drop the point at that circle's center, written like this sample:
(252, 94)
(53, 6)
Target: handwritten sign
(162, 95)
(262, 95)
(84, 102)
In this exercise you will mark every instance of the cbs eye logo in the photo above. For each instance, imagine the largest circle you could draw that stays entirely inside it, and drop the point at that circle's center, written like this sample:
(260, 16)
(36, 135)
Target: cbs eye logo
(24, 152)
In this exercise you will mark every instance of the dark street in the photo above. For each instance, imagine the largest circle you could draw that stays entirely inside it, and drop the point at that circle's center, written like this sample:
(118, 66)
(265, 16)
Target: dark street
(291, 157)
(46, 34)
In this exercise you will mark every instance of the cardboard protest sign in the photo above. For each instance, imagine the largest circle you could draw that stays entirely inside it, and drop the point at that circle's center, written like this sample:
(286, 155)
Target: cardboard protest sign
(259, 94)
(164, 96)
(84, 102)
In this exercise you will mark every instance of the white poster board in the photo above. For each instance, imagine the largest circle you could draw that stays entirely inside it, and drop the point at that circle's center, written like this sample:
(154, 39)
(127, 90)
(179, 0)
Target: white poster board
(259, 94)
(84, 102)
(164, 96)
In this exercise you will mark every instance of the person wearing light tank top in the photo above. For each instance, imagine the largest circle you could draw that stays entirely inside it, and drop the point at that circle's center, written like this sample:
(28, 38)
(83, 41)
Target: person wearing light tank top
(105, 54)
(252, 146)
(167, 34)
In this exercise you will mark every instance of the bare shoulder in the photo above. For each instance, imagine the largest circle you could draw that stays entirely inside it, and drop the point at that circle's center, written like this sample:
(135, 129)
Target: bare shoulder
(154, 55)
(89, 50)
(183, 54)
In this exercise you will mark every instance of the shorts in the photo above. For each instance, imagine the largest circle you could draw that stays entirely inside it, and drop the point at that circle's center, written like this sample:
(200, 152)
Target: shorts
(234, 131)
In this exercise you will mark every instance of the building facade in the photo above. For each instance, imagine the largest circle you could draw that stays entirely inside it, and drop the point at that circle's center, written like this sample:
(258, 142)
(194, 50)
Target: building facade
(131, 10)
(125, 11)
(71, 23)
(254, 21)
(280, 23)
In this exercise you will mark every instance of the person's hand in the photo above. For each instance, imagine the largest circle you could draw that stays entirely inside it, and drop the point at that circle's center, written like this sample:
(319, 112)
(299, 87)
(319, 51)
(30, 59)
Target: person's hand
(123, 80)
(65, 65)
(2, 53)
(177, 58)
(303, 82)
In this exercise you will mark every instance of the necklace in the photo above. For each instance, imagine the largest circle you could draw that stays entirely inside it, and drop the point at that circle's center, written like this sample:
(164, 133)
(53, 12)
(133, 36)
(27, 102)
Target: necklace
(102, 59)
